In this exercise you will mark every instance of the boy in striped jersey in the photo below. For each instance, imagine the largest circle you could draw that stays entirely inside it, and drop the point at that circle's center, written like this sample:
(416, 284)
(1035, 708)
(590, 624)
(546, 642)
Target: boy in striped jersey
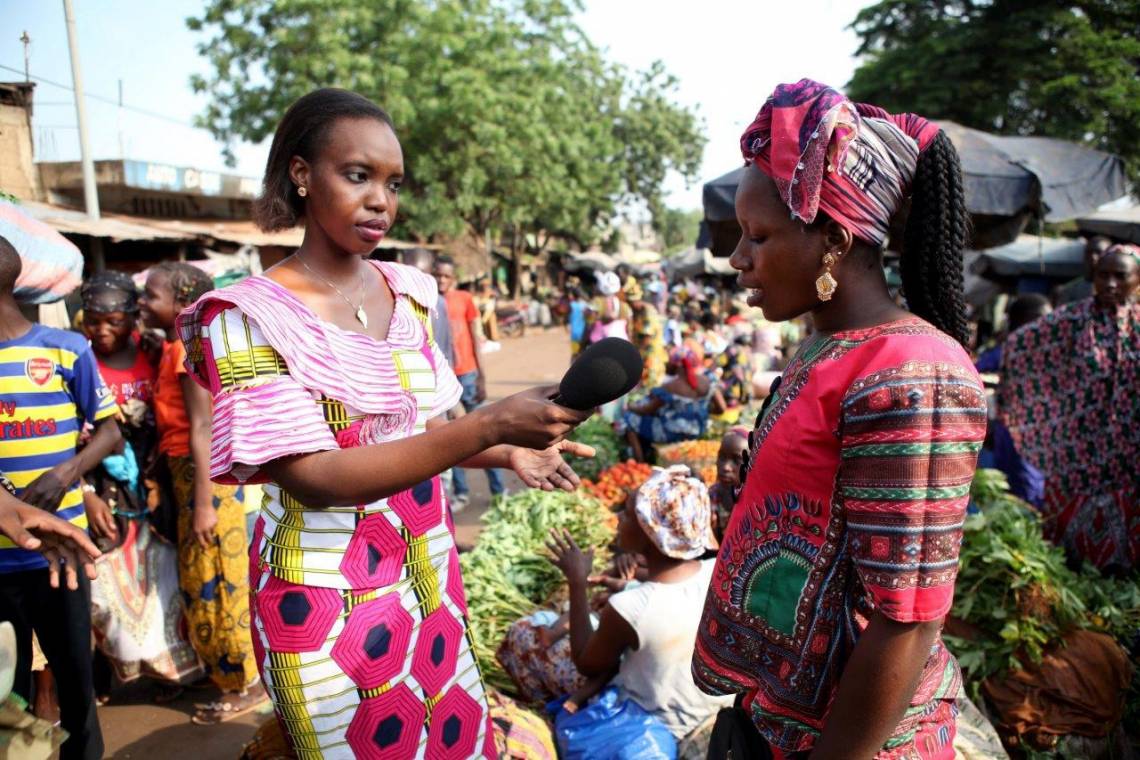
(50, 387)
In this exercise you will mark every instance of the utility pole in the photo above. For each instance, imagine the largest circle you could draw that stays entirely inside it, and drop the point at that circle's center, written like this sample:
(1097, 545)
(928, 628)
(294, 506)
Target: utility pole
(90, 194)
(24, 38)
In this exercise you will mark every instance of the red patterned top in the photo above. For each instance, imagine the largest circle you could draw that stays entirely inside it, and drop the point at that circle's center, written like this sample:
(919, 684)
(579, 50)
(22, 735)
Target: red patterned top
(853, 501)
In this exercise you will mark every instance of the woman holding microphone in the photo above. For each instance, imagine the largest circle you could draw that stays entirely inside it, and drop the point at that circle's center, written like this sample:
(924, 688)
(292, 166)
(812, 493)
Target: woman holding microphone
(329, 389)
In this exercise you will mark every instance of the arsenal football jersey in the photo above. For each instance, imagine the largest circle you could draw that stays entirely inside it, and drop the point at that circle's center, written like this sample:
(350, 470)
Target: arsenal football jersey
(49, 387)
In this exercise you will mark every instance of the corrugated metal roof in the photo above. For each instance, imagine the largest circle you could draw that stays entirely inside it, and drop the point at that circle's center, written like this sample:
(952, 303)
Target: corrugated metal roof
(119, 227)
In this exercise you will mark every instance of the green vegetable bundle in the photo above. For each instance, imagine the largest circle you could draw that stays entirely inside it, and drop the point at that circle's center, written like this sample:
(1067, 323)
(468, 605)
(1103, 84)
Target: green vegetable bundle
(599, 433)
(1017, 594)
(507, 575)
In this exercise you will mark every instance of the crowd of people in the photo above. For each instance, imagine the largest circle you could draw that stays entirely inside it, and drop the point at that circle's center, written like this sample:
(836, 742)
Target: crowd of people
(270, 465)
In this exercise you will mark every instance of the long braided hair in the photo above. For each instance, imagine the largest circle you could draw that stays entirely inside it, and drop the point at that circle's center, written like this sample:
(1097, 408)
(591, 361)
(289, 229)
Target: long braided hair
(937, 231)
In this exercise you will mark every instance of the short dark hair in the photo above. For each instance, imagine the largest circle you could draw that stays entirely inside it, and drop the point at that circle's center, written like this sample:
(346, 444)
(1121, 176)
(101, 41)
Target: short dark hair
(1027, 308)
(444, 260)
(10, 266)
(302, 132)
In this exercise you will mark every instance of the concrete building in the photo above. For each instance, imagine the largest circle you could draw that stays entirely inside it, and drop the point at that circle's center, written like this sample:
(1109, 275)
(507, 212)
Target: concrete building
(18, 175)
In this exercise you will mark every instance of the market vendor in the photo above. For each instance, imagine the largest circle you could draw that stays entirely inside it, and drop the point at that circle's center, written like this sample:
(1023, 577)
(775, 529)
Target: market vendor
(1068, 397)
(676, 410)
(839, 559)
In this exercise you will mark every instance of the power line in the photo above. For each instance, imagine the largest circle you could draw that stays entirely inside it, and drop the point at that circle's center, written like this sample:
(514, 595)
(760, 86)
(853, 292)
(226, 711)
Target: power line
(110, 101)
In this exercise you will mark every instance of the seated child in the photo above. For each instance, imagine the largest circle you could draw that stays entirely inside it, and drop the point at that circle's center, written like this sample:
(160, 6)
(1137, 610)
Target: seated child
(728, 468)
(646, 633)
(535, 652)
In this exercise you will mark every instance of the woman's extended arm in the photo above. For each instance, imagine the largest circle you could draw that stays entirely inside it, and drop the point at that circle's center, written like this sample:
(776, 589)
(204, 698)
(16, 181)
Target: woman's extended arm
(594, 652)
(345, 477)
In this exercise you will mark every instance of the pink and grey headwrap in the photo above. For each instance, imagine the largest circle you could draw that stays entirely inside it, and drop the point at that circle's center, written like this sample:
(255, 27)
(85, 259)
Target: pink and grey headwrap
(1126, 249)
(854, 161)
(674, 510)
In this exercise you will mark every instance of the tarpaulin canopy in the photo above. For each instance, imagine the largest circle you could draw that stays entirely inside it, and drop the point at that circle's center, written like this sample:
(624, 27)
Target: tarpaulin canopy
(720, 196)
(1056, 180)
(697, 261)
(1008, 180)
(1031, 256)
(51, 265)
(594, 262)
(1121, 224)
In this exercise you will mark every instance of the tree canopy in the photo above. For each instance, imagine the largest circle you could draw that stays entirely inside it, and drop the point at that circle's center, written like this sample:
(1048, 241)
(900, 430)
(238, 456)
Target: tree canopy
(511, 120)
(678, 228)
(1058, 69)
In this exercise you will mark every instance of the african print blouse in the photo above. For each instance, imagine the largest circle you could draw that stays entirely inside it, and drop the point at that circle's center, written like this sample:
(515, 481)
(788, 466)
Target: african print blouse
(853, 501)
(286, 382)
(358, 613)
(1069, 396)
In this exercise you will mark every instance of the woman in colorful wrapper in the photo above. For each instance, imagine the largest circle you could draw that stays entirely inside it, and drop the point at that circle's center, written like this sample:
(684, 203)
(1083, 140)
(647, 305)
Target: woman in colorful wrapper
(646, 331)
(212, 564)
(329, 389)
(838, 562)
(677, 410)
(1069, 398)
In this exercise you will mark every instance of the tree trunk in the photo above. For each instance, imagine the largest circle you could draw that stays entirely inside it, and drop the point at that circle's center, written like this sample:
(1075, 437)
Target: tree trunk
(515, 244)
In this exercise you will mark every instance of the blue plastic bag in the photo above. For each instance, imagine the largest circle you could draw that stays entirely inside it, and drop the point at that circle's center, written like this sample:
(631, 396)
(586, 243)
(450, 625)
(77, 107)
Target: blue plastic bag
(611, 728)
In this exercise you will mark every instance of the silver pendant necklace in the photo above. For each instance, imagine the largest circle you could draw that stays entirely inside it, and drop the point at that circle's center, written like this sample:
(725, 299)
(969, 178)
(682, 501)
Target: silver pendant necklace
(361, 317)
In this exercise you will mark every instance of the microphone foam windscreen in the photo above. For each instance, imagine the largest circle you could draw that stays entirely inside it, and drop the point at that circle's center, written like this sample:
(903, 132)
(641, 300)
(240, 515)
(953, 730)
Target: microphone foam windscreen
(606, 370)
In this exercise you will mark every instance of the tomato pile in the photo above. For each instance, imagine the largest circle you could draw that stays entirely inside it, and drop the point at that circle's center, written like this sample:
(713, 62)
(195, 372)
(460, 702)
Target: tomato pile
(688, 451)
(615, 484)
(699, 456)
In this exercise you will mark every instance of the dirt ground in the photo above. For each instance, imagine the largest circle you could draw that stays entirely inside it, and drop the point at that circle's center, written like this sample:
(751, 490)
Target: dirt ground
(134, 727)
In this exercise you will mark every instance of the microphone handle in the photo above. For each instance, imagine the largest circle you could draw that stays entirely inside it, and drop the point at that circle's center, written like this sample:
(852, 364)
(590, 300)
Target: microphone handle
(557, 399)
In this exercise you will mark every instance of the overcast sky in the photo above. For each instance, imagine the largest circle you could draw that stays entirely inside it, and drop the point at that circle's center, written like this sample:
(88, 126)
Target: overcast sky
(727, 54)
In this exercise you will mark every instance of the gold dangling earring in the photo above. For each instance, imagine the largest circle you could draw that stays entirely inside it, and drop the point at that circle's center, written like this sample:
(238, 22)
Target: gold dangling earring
(301, 191)
(825, 284)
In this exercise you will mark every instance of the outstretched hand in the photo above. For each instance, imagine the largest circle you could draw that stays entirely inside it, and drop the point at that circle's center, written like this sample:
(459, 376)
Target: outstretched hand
(546, 469)
(63, 545)
(574, 563)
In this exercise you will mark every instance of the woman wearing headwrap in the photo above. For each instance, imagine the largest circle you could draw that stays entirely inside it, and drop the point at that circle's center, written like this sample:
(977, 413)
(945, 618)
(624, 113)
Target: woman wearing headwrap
(136, 593)
(647, 336)
(646, 633)
(611, 315)
(677, 410)
(1069, 396)
(839, 559)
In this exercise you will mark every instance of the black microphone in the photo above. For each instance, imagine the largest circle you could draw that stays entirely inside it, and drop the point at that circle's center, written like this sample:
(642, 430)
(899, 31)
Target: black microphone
(606, 370)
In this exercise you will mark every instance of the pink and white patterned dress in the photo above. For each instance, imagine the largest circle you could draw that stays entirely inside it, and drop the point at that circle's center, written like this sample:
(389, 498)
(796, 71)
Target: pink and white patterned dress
(359, 614)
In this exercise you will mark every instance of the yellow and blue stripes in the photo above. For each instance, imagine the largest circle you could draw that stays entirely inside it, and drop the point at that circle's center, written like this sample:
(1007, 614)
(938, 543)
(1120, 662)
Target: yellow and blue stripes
(49, 387)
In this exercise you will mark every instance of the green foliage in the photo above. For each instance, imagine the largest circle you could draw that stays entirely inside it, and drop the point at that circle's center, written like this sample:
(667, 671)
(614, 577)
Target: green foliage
(1016, 591)
(678, 228)
(1059, 69)
(510, 119)
(599, 433)
(507, 575)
